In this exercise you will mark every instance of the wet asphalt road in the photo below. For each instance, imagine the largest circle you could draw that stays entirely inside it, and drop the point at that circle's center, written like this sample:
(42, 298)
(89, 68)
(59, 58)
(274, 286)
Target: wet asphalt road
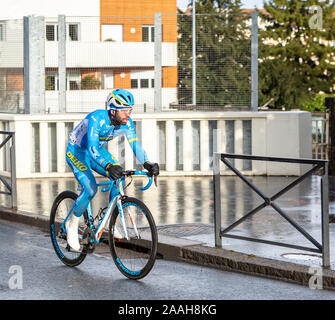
(44, 277)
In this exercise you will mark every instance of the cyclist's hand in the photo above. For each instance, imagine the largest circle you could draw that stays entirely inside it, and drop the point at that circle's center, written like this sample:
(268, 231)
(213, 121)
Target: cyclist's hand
(114, 171)
(153, 168)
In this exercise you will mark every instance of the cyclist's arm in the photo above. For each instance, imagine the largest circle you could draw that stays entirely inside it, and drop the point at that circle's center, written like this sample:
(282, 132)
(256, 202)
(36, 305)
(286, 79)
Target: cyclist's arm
(93, 134)
(134, 143)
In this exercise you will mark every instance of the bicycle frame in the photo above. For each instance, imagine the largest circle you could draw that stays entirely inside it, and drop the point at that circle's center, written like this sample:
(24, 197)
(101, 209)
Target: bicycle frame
(116, 201)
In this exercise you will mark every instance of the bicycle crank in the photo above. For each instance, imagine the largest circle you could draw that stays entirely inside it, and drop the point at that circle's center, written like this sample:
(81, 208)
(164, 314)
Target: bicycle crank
(89, 241)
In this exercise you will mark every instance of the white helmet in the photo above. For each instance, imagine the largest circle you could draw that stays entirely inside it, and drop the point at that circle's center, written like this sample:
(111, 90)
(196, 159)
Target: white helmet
(119, 99)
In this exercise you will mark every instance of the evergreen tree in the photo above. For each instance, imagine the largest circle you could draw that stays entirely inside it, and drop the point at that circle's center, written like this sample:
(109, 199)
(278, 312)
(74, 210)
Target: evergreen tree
(296, 53)
(222, 55)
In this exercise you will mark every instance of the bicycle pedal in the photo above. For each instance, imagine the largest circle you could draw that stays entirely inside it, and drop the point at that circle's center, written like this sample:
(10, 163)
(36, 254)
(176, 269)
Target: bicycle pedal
(62, 236)
(88, 250)
(69, 249)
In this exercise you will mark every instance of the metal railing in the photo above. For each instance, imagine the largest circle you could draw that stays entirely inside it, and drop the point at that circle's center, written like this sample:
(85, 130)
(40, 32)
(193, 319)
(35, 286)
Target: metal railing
(322, 248)
(10, 189)
(320, 135)
(168, 61)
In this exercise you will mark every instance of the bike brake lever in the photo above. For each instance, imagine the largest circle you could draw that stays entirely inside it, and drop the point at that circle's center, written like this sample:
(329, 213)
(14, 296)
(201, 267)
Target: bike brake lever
(155, 180)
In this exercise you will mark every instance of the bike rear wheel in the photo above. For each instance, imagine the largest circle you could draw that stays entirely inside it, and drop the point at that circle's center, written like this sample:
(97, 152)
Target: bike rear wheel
(136, 256)
(60, 209)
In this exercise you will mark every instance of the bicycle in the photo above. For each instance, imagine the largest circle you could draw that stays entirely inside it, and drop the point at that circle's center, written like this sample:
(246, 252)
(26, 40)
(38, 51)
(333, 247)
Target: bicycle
(132, 233)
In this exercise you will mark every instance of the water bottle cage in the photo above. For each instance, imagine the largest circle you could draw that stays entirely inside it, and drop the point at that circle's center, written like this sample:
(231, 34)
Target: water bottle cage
(100, 215)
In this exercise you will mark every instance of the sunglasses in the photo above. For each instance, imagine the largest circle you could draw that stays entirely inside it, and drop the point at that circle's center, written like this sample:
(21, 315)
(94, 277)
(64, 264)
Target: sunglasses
(129, 110)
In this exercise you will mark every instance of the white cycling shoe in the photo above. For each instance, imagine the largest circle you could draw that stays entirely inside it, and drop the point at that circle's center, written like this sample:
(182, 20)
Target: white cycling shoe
(71, 226)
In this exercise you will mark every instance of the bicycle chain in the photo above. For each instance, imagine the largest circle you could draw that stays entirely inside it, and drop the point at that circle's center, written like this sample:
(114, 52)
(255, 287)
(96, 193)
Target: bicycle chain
(89, 238)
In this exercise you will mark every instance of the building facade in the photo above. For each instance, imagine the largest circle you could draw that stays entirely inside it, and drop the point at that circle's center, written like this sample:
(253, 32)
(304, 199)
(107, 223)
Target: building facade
(114, 49)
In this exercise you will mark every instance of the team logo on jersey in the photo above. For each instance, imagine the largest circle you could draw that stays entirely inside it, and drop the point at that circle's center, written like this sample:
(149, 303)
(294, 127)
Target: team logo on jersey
(76, 162)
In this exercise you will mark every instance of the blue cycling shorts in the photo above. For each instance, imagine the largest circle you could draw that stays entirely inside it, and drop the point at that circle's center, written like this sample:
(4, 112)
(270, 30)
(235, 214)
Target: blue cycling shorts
(82, 166)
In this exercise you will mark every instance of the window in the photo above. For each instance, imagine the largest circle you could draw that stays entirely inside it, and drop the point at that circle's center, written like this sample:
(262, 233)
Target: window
(51, 80)
(142, 79)
(51, 32)
(74, 32)
(148, 33)
(74, 85)
(2, 32)
(134, 83)
(51, 83)
(73, 80)
(144, 83)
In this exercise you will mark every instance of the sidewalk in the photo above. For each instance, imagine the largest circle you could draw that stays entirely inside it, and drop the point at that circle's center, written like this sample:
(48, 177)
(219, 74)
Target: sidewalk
(194, 243)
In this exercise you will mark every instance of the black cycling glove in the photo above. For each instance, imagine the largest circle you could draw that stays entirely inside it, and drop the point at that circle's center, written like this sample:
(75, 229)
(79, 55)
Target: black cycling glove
(153, 168)
(114, 171)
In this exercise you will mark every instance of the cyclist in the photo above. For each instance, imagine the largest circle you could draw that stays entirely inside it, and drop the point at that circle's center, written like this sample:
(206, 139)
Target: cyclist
(86, 152)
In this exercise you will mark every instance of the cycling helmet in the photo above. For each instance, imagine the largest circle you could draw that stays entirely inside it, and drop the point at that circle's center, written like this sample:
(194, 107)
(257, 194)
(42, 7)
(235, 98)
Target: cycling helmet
(119, 99)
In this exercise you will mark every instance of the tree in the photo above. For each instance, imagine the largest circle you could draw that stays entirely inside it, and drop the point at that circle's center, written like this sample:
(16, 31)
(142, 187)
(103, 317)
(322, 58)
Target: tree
(89, 83)
(296, 56)
(222, 54)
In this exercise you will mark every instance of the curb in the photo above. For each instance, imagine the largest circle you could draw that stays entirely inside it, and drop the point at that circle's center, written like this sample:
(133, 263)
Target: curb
(184, 250)
(39, 221)
(249, 264)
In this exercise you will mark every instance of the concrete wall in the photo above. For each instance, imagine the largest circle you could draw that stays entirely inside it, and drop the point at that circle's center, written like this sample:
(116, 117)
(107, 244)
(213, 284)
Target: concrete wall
(281, 134)
(290, 137)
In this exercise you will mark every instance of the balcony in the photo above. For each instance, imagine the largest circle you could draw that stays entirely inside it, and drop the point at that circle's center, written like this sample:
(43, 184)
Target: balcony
(81, 54)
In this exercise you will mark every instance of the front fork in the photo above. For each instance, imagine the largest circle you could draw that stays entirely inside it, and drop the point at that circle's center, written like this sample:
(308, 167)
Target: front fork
(122, 212)
(119, 206)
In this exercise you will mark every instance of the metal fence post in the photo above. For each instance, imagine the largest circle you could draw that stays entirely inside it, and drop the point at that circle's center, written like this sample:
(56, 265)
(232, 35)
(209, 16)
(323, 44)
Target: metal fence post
(217, 199)
(158, 63)
(330, 107)
(34, 64)
(13, 173)
(254, 61)
(194, 66)
(62, 63)
(325, 218)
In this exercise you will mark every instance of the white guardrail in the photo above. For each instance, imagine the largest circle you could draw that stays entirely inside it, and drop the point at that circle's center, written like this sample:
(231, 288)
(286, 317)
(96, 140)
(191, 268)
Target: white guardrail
(182, 142)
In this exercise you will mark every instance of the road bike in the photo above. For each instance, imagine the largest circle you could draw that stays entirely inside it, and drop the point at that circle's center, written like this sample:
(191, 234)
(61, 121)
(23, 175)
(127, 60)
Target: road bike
(132, 233)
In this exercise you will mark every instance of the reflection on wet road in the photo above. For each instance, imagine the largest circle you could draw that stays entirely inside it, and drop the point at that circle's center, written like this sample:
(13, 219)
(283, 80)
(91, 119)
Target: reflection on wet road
(190, 199)
(180, 202)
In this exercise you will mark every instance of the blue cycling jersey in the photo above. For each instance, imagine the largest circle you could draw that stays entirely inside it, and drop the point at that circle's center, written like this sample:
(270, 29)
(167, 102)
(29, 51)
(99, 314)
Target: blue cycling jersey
(86, 152)
(93, 132)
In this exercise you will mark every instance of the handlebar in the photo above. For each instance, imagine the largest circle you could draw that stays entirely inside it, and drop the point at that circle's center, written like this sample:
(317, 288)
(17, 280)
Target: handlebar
(139, 173)
(128, 173)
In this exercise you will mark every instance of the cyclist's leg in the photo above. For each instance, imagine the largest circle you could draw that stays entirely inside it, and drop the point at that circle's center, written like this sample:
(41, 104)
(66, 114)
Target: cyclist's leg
(79, 162)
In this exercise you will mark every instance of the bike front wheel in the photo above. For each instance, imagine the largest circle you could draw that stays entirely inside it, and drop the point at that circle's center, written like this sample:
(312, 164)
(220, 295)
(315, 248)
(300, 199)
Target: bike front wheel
(60, 210)
(133, 247)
